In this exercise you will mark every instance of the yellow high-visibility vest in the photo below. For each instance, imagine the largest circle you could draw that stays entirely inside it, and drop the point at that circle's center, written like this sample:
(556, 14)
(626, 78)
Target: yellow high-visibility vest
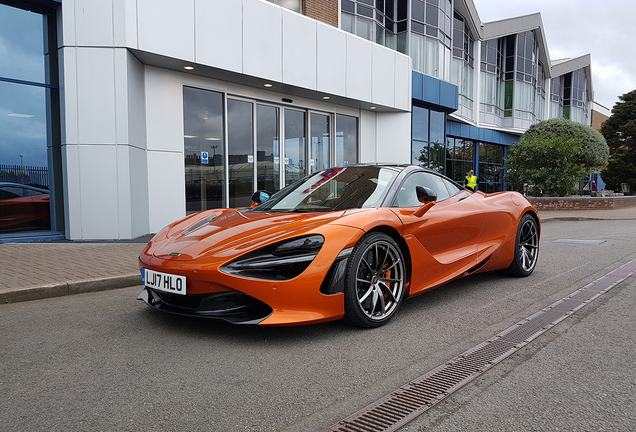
(471, 182)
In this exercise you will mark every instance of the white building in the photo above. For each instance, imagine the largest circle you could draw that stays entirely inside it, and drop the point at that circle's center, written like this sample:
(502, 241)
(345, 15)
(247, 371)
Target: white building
(144, 111)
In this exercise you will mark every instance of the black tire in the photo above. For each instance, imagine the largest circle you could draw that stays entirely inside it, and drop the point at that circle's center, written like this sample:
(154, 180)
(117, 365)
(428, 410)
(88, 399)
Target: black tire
(375, 281)
(526, 248)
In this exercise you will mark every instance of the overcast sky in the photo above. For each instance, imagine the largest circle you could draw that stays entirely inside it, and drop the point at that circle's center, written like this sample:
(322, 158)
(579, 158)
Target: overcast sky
(605, 29)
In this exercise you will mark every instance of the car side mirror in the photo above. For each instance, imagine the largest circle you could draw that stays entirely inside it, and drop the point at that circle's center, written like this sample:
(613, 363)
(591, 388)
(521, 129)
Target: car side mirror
(260, 196)
(427, 196)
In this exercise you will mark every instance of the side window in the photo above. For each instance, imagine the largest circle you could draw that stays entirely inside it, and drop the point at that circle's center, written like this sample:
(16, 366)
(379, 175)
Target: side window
(452, 187)
(407, 197)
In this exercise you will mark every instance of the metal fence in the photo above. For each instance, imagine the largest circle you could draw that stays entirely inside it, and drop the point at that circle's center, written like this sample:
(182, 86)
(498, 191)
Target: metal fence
(29, 175)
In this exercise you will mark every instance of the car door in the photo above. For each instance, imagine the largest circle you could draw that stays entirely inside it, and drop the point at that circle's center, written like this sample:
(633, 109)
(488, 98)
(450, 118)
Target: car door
(451, 228)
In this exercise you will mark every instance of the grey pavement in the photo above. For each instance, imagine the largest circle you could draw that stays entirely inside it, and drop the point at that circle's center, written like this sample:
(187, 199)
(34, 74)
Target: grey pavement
(577, 377)
(31, 271)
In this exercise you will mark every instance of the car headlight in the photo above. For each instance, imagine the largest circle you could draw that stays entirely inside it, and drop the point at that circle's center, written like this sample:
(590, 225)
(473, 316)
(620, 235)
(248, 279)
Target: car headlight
(279, 261)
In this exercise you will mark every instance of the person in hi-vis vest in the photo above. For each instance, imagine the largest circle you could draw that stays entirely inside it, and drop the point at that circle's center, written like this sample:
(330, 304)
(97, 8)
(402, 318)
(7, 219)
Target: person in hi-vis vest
(471, 180)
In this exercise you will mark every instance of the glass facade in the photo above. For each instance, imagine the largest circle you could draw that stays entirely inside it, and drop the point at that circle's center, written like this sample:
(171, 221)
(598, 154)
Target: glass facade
(575, 96)
(462, 65)
(459, 158)
(490, 174)
(491, 83)
(203, 123)
(568, 96)
(427, 145)
(374, 20)
(419, 28)
(513, 84)
(30, 149)
(295, 5)
(233, 147)
(430, 37)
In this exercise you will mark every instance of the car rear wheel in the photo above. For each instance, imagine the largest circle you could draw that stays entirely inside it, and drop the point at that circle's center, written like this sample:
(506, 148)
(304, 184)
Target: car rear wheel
(374, 285)
(526, 248)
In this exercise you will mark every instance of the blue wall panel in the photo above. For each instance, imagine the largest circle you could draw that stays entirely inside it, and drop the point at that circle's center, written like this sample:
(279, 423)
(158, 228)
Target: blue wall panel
(442, 95)
(462, 130)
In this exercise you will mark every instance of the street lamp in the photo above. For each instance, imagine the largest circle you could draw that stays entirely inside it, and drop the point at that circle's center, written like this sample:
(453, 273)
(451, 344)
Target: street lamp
(21, 161)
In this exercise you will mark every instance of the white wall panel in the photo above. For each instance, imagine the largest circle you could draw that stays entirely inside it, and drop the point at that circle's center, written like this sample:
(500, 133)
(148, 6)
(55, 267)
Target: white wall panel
(138, 169)
(166, 189)
(67, 27)
(359, 64)
(331, 59)
(167, 27)
(383, 76)
(124, 183)
(219, 34)
(403, 82)
(72, 194)
(96, 95)
(68, 95)
(164, 110)
(121, 22)
(121, 96)
(98, 192)
(394, 137)
(93, 23)
(262, 40)
(299, 50)
(368, 126)
(136, 102)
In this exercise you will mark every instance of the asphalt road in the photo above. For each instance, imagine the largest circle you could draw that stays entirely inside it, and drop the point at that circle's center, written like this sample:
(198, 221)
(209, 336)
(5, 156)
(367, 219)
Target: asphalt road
(105, 361)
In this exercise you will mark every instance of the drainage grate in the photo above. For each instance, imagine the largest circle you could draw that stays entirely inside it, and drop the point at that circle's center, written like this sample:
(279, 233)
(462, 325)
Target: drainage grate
(409, 401)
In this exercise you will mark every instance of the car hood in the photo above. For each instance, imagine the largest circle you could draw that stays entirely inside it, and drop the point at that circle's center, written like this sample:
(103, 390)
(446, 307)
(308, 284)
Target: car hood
(233, 232)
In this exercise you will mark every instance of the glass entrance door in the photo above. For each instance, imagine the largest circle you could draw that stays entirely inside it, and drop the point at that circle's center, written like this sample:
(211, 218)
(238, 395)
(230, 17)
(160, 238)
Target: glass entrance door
(295, 158)
(319, 142)
(240, 140)
(203, 149)
(268, 147)
(235, 146)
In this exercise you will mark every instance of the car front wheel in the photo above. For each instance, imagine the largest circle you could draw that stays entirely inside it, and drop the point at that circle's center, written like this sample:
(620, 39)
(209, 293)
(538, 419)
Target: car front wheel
(375, 281)
(526, 248)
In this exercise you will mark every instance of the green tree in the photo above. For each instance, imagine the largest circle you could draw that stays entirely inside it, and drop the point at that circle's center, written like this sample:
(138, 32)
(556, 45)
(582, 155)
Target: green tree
(593, 151)
(552, 154)
(620, 132)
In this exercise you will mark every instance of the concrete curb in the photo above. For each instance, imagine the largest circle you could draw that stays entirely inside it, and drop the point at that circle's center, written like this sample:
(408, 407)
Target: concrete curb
(69, 288)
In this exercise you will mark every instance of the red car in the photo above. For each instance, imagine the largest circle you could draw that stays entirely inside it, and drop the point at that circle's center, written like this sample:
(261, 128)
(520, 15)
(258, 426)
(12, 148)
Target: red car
(23, 207)
(350, 242)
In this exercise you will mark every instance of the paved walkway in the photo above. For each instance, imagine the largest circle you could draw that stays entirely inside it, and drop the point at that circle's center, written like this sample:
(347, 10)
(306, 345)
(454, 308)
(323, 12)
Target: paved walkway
(32, 271)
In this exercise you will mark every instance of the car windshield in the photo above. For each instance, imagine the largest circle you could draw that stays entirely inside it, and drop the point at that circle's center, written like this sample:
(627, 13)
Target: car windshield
(332, 190)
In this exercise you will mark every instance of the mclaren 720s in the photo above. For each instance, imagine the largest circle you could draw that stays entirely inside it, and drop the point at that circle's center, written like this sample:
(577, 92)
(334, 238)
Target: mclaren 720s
(351, 242)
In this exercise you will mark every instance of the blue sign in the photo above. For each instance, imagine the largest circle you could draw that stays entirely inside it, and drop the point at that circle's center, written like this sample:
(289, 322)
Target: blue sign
(204, 157)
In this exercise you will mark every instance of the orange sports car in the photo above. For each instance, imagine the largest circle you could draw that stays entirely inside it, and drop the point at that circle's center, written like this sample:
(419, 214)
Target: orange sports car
(351, 242)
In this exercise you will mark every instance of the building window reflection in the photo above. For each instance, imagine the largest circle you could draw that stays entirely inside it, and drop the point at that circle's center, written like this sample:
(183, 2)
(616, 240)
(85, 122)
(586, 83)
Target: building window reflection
(29, 95)
(427, 145)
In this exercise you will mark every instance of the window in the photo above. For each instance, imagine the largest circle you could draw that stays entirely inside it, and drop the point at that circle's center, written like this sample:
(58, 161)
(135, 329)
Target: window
(427, 145)
(234, 146)
(203, 149)
(491, 82)
(490, 167)
(459, 158)
(346, 140)
(407, 196)
(462, 64)
(29, 99)
(295, 5)
(575, 96)
(371, 20)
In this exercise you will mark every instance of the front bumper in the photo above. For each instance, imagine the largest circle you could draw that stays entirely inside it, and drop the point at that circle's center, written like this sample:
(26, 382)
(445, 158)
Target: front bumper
(234, 307)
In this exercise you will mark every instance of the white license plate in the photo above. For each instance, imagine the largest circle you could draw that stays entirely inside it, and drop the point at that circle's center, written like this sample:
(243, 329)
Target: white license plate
(164, 282)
